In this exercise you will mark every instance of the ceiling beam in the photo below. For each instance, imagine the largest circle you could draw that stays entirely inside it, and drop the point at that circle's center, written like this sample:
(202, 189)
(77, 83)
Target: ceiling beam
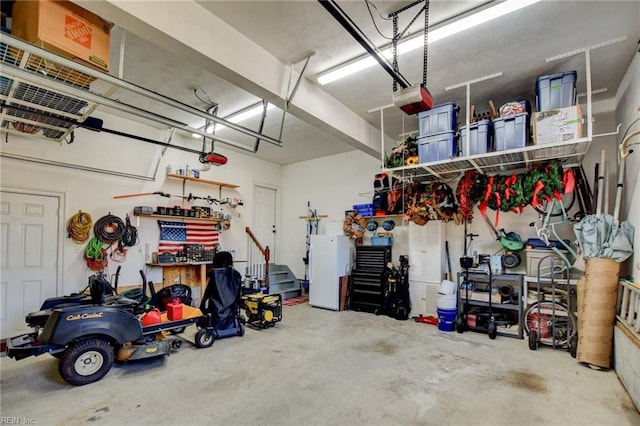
(193, 32)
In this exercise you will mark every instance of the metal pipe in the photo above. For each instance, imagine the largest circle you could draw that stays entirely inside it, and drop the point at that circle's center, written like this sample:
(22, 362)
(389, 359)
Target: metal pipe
(14, 42)
(74, 166)
(88, 126)
(19, 74)
(343, 19)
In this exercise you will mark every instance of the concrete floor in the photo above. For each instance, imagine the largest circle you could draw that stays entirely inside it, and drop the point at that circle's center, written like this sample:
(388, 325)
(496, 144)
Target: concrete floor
(334, 368)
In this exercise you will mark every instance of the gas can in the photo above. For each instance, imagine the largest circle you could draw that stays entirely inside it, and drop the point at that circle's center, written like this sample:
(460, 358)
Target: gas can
(152, 317)
(174, 310)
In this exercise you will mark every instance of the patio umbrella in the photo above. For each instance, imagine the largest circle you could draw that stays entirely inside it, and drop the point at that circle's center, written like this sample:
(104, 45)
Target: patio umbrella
(593, 229)
(603, 235)
(619, 242)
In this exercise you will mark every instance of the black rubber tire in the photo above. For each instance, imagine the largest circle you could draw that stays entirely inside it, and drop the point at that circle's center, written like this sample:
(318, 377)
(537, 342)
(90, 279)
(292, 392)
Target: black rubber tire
(573, 346)
(459, 325)
(176, 344)
(240, 328)
(492, 330)
(86, 361)
(204, 339)
(178, 330)
(567, 200)
(533, 340)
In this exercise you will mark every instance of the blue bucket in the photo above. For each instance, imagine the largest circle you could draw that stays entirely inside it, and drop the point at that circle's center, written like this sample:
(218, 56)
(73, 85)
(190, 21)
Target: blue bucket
(447, 319)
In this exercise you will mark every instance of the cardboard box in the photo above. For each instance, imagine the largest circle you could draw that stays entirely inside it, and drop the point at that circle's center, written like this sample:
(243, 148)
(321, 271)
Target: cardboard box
(63, 28)
(483, 296)
(557, 125)
(534, 256)
(344, 288)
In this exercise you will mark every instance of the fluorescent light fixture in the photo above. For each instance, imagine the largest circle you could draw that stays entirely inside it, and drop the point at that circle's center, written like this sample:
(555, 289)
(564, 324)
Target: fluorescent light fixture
(237, 117)
(416, 42)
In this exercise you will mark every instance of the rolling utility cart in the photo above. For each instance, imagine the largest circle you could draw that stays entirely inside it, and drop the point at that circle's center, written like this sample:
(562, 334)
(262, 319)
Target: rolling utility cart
(549, 319)
(491, 304)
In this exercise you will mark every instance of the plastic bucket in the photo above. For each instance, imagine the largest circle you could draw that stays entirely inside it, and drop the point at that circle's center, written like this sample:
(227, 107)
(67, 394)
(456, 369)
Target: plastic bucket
(446, 301)
(447, 287)
(446, 319)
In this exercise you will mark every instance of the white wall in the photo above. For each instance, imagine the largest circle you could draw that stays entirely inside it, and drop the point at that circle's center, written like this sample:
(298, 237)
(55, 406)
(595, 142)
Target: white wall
(332, 185)
(627, 352)
(93, 192)
(627, 111)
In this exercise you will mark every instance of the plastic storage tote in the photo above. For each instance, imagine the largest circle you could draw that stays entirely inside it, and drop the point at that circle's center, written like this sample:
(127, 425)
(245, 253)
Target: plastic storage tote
(511, 132)
(556, 91)
(441, 118)
(480, 142)
(437, 147)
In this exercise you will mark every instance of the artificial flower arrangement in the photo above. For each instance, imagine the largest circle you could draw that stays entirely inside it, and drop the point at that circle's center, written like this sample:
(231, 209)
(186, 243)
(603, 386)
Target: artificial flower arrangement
(403, 154)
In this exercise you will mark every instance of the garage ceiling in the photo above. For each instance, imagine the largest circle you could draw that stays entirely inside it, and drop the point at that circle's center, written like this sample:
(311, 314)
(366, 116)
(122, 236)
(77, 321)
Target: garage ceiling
(515, 45)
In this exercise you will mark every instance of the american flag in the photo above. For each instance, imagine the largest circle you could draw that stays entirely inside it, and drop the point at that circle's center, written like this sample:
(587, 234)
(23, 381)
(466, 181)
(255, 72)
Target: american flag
(174, 235)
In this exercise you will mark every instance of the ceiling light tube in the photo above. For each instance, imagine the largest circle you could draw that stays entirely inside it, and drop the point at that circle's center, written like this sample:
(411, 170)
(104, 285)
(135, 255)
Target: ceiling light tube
(238, 116)
(416, 41)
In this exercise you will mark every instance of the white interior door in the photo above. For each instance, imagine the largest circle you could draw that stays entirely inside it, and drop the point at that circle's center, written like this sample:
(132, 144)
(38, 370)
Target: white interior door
(264, 217)
(28, 256)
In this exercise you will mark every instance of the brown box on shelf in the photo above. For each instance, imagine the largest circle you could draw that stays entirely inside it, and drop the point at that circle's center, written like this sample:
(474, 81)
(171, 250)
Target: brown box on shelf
(557, 125)
(483, 296)
(64, 28)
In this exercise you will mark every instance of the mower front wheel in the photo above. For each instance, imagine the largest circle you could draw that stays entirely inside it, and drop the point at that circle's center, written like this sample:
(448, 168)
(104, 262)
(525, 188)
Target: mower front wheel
(204, 338)
(86, 361)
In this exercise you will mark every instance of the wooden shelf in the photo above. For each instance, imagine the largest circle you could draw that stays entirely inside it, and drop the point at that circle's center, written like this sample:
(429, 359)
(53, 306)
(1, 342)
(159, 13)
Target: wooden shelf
(386, 216)
(167, 264)
(201, 219)
(205, 181)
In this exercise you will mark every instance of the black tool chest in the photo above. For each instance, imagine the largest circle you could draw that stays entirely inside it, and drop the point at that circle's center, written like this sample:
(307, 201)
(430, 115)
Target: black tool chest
(368, 274)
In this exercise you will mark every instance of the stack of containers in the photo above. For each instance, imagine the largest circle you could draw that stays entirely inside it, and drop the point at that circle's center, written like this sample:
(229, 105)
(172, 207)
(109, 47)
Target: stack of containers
(437, 133)
(447, 306)
(512, 131)
(558, 118)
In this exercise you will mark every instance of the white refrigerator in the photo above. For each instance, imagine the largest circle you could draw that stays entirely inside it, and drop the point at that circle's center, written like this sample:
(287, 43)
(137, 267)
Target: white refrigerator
(331, 257)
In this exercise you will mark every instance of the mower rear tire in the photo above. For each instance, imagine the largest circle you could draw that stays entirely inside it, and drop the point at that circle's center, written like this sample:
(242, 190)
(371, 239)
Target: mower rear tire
(204, 338)
(177, 330)
(86, 361)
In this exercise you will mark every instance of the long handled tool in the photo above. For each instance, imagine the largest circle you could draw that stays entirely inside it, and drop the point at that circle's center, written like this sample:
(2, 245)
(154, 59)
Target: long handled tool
(189, 197)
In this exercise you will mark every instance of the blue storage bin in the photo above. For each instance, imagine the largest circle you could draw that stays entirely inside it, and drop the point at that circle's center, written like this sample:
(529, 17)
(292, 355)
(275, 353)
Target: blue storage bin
(556, 91)
(511, 132)
(437, 147)
(441, 118)
(381, 241)
(368, 206)
(480, 142)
